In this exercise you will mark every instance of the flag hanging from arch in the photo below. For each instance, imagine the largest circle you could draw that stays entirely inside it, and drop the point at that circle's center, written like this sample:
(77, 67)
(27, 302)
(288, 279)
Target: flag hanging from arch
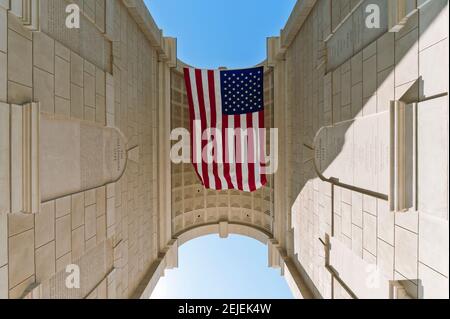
(228, 141)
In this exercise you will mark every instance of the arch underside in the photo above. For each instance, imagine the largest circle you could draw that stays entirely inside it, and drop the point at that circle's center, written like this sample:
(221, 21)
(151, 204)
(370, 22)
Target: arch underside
(228, 228)
(192, 204)
(276, 257)
(339, 199)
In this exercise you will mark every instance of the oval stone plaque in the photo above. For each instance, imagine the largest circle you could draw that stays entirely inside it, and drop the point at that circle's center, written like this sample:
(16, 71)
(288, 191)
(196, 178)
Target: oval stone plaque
(77, 155)
(356, 152)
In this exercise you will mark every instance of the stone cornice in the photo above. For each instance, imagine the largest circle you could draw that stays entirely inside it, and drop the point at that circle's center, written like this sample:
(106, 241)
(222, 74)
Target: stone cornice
(139, 11)
(181, 65)
(295, 21)
(169, 54)
(274, 51)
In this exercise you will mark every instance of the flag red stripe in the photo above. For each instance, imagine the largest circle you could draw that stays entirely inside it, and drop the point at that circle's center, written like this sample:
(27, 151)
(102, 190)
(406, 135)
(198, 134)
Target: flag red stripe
(212, 103)
(191, 117)
(201, 103)
(251, 155)
(238, 151)
(263, 146)
(226, 164)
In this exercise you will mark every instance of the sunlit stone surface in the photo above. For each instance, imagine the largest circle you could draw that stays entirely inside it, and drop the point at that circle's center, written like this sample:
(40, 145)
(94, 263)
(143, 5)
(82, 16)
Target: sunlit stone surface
(81, 156)
(357, 208)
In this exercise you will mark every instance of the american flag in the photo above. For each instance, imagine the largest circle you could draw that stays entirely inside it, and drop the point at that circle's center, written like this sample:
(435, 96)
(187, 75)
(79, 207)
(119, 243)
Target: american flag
(222, 102)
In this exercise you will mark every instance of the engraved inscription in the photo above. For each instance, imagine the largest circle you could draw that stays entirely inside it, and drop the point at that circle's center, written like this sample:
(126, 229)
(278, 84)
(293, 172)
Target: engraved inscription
(353, 35)
(356, 152)
(90, 154)
(87, 41)
(118, 155)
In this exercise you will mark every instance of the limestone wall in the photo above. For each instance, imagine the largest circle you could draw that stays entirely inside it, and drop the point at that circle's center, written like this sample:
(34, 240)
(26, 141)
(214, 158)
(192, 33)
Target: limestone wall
(337, 72)
(359, 204)
(106, 72)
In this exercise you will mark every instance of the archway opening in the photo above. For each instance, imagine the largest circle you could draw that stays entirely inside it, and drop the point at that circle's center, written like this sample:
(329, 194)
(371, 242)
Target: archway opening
(213, 267)
(221, 32)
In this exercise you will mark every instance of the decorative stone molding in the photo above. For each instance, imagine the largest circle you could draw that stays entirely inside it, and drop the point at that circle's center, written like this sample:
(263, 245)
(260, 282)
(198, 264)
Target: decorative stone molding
(169, 54)
(233, 228)
(275, 259)
(133, 154)
(191, 217)
(25, 196)
(297, 18)
(5, 204)
(172, 254)
(399, 11)
(142, 16)
(276, 60)
(223, 229)
(166, 47)
(398, 291)
(403, 172)
(278, 258)
(168, 259)
(28, 13)
(163, 135)
(274, 51)
(403, 159)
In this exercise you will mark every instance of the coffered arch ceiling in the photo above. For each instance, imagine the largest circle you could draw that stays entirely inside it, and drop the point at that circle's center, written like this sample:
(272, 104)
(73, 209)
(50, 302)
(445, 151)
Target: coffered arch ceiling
(235, 229)
(192, 204)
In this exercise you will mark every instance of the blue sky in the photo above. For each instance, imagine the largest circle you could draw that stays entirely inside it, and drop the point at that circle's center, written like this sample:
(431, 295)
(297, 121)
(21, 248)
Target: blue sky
(213, 33)
(213, 267)
(210, 34)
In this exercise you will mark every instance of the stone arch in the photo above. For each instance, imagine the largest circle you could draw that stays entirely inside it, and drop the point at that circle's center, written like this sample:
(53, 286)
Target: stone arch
(223, 229)
(191, 204)
(276, 256)
(195, 211)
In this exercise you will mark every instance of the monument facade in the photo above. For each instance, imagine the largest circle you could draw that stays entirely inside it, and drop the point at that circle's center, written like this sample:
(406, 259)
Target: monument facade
(357, 209)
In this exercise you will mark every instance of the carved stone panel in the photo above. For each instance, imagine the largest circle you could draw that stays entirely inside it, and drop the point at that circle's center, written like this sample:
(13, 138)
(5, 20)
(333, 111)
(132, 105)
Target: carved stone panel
(356, 152)
(77, 156)
(354, 33)
(4, 159)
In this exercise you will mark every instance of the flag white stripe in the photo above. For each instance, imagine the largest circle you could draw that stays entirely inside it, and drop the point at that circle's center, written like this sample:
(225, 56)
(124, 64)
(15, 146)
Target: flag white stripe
(232, 154)
(255, 120)
(197, 148)
(244, 153)
(205, 86)
(220, 157)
